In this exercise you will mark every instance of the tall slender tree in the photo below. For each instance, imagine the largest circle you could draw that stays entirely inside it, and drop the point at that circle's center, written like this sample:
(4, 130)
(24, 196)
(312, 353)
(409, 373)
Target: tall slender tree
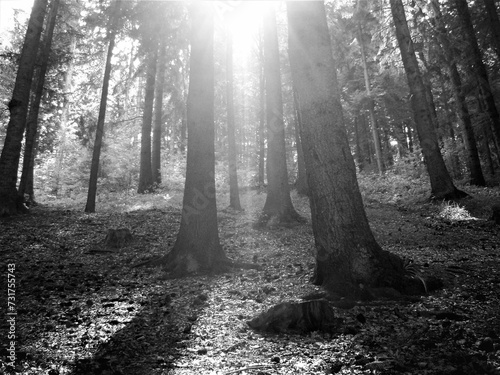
(198, 247)
(348, 258)
(234, 196)
(278, 202)
(158, 115)
(477, 66)
(96, 154)
(146, 172)
(473, 164)
(25, 187)
(10, 204)
(442, 186)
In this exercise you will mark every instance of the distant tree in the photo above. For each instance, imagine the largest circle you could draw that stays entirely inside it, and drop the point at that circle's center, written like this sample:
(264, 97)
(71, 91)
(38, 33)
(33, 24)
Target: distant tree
(26, 183)
(477, 66)
(94, 168)
(10, 204)
(146, 173)
(262, 113)
(347, 255)
(442, 186)
(473, 164)
(494, 22)
(158, 115)
(234, 196)
(198, 247)
(278, 202)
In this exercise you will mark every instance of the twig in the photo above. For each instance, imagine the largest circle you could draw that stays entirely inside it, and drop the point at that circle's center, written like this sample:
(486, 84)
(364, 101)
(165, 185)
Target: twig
(253, 367)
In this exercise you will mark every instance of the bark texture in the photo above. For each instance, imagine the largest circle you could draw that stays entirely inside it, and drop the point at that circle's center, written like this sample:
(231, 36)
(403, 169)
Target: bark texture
(10, 204)
(158, 122)
(197, 248)
(442, 186)
(347, 255)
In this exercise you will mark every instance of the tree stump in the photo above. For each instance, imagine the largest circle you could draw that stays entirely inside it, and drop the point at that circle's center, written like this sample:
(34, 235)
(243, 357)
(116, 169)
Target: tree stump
(117, 238)
(308, 316)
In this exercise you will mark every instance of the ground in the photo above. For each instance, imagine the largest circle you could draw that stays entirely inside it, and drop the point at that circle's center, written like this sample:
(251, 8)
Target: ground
(83, 308)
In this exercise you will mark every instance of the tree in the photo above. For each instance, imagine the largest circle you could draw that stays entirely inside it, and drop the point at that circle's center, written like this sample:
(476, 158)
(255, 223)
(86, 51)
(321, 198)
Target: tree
(197, 247)
(442, 186)
(301, 181)
(477, 66)
(234, 197)
(494, 22)
(10, 204)
(278, 202)
(473, 163)
(146, 172)
(347, 254)
(158, 122)
(94, 168)
(26, 183)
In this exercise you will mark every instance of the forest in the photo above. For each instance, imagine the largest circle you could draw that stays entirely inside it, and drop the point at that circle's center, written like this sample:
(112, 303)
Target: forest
(250, 187)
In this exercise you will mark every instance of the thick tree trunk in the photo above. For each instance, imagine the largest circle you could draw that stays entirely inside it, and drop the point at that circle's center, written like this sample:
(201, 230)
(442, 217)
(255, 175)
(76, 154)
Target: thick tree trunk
(32, 124)
(158, 123)
(197, 248)
(234, 196)
(348, 257)
(94, 168)
(146, 172)
(10, 204)
(442, 186)
(477, 67)
(278, 204)
(473, 163)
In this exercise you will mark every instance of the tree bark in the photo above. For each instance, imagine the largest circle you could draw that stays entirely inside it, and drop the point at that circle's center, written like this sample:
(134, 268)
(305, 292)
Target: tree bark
(158, 123)
(475, 172)
(18, 108)
(94, 168)
(197, 248)
(442, 186)
(262, 112)
(347, 256)
(234, 197)
(32, 124)
(146, 172)
(278, 204)
(477, 67)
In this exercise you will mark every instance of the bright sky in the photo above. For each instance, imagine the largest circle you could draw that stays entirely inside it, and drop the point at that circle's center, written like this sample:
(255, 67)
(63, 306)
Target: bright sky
(7, 12)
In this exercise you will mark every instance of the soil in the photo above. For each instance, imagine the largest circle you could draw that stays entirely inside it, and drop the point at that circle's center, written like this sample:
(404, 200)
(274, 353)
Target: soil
(84, 308)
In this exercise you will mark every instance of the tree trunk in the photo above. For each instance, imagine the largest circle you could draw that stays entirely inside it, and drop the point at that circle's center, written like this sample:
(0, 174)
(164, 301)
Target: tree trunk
(494, 22)
(301, 181)
(371, 102)
(234, 197)
(347, 255)
(94, 168)
(475, 172)
(18, 108)
(146, 172)
(262, 112)
(278, 204)
(197, 248)
(442, 186)
(32, 124)
(158, 124)
(477, 67)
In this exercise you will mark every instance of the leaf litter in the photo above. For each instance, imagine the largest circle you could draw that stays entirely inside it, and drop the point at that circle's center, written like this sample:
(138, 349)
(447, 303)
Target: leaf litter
(85, 310)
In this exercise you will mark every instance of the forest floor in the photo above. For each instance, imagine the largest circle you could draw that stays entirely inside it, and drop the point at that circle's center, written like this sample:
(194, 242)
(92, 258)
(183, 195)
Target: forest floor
(85, 309)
